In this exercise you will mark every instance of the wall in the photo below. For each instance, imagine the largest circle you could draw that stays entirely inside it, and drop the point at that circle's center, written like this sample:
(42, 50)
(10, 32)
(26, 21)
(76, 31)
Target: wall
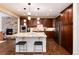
(10, 23)
(10, 13)
(1, 15)
(77, 26)
(76, 29)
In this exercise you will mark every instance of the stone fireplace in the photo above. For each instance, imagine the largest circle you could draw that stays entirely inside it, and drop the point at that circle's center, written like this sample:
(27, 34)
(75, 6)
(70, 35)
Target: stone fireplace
(9, 31)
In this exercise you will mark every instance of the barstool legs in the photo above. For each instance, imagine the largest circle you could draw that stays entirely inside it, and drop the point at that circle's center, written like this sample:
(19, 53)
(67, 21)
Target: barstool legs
(22, 46)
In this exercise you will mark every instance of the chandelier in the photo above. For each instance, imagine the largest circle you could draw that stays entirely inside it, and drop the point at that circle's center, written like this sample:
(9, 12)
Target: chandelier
(29, 13)
(38, 14)
(38, 18)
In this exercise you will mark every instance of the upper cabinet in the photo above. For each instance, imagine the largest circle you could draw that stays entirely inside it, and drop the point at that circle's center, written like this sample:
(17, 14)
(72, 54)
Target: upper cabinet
(67, 15)
(66, 29)
(32, 23)
(46, 22)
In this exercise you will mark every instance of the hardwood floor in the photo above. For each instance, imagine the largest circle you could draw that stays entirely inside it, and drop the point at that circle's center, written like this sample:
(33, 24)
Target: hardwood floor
(8, 48)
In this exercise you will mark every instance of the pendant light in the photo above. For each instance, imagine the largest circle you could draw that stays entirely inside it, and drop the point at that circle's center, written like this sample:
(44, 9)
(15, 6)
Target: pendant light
(38, 14)
(38, 18)
(24, 19)
(29, 13)
(38, 22)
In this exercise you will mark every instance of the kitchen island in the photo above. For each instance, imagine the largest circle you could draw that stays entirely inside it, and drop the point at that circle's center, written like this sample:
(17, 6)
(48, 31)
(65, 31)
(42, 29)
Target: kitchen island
(30, 38)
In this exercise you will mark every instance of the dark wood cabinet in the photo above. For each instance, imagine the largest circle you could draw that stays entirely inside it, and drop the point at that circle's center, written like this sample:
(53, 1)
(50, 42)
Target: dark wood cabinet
(32, 23)
(66, 28)
(50, 34)
(47, 22)
(66, 37)
(67, 16)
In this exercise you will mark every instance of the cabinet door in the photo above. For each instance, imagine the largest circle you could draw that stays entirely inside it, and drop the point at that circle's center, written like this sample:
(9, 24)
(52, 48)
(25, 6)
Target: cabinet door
(64, 18)
(68, 37)
(67, 29)
(47, 22)
(50, 34)
(63, 42)
(67, 16)
(32, 23)
(70, 20)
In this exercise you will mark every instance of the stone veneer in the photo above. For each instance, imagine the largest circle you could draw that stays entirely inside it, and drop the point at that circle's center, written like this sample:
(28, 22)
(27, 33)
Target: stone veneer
(9, 23)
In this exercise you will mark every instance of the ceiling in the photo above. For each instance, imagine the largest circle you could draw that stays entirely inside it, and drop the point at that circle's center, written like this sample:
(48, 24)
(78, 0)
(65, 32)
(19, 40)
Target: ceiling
(3, 14)
(50, 10)
(77, 8)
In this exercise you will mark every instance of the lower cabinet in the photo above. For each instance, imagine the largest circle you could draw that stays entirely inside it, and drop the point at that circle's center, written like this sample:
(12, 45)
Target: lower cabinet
(50, 34)
(67, 37)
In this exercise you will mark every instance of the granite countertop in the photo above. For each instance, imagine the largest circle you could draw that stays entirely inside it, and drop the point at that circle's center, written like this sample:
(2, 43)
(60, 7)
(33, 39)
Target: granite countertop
(42, 29)
(31, 34)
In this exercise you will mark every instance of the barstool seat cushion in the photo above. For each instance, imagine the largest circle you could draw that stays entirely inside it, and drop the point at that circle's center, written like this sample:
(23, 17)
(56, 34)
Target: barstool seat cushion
(38, 43)
(21, 43)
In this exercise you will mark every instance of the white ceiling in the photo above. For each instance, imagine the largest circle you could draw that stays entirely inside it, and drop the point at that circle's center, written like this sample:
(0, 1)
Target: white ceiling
(46, 9)
(77, 8)
(4, 15)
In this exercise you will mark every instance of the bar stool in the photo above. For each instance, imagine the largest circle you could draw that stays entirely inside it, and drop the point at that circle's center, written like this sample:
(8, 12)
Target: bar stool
(22, 43)
(38, 43)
